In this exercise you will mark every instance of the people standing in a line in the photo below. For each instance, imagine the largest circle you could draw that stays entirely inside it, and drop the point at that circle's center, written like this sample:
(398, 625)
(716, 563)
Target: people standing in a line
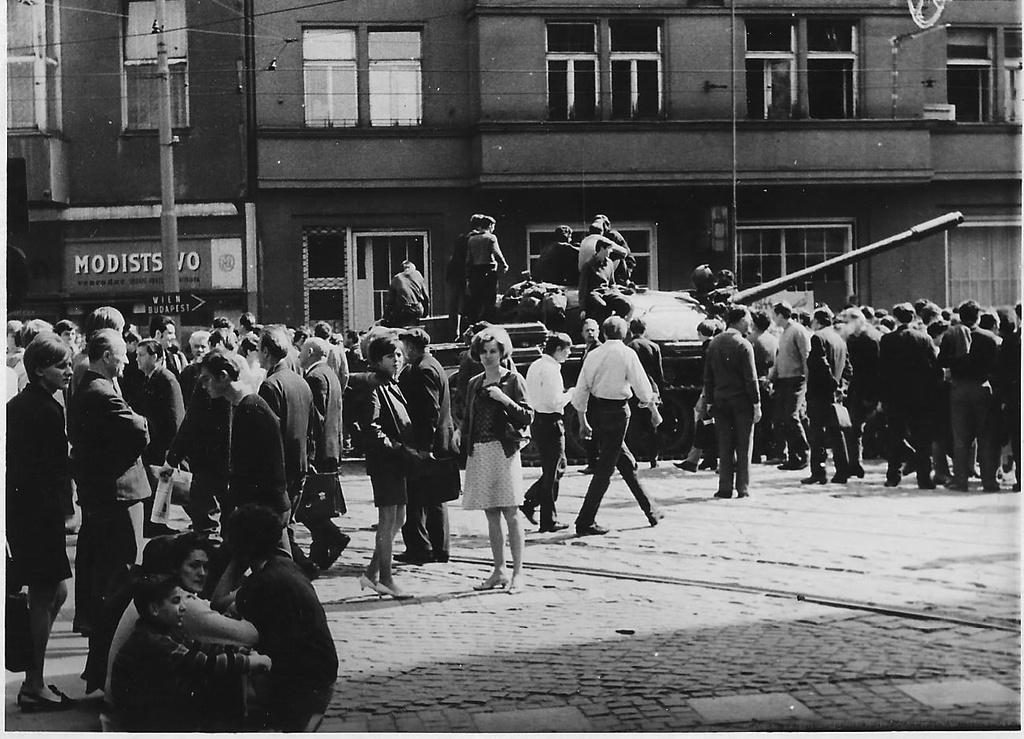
(435, 481)
(789, 378)
(162, 329)
(108, 440)
(548, 396)
(909, 386)
(650, 359)
(38, 478)
(610, 376)
(328, 541)
(828, 374)
(972, 355)
(494, 429)
(408, 300)
(199, 345)
(291, 400)
(862, 345)
(484, 263)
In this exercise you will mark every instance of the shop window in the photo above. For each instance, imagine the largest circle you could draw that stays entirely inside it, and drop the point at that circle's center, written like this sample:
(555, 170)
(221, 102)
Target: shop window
(770, 65)
(636, 69)
(572, 66)
(831, 69)
(771, 251)
(641, 238)
(396, 88)
(33, 65)
(984, 263)
(141, 81)
(329, 77)
(969, 73)
(1013, 109)
(325, 282)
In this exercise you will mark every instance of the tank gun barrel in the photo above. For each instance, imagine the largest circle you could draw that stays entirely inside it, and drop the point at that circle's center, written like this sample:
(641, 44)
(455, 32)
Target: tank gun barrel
(914, 233)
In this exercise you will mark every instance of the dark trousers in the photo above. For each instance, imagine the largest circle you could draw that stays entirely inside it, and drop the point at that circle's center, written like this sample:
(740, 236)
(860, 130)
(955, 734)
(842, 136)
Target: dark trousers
(791, 394)
(605, 302)
(609, 419)
(973, 415)
(425, 531)
(860, 410)
(734, 426)
(641, 425)
(107, 548)
(824, 434)
(548, 431)
(764, 431)
(204, 497)
(910, 435)
(481, 292)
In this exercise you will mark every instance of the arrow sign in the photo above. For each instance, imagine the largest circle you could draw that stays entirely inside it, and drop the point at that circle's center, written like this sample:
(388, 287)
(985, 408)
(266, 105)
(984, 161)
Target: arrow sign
(170, 304)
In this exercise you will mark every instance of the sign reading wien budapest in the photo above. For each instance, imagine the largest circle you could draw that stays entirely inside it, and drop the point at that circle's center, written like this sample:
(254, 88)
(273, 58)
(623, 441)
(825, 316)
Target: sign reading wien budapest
(133, 268)
(170, 304)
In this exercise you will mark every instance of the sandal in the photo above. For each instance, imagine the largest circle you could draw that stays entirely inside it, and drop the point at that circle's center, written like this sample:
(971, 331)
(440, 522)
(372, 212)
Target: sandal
(492, 583)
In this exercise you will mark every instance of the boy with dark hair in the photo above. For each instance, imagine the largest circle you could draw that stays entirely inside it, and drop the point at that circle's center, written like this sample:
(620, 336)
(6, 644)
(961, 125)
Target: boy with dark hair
(161, 678)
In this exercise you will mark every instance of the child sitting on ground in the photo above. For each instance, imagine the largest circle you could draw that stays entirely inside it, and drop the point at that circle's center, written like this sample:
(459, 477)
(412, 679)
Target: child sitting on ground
(162, 680)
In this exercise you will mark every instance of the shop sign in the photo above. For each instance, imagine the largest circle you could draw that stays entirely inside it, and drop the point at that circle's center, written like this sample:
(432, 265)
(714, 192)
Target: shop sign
(202, 264)
(170, 304)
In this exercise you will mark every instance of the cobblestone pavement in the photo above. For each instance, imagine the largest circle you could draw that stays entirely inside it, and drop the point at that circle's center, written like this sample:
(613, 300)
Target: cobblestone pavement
(785, 611)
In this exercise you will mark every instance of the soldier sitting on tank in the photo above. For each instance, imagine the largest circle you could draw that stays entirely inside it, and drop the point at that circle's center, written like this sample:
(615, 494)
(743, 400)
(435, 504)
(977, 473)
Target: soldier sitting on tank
(600, 231)
(407, 301)
(599, 296)
(559, 262)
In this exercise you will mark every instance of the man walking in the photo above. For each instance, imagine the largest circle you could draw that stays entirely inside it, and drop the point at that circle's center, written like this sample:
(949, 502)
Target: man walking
(732, 394)
(828, 372)
(789, 378)
(548, 397)
(610, 376)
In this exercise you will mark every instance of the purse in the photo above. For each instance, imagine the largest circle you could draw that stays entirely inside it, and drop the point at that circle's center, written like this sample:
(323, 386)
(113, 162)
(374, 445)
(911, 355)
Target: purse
(321, 497)
(842, 416)
(17, 635)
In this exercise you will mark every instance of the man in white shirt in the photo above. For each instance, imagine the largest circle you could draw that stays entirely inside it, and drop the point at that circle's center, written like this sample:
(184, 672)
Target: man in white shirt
(548, 398)
(610, 376)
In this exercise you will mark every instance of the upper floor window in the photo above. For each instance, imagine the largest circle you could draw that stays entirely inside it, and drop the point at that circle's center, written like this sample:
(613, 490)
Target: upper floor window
(831, 69)
(396, 88)
(33, 65)
(329, 77)
(572, 71)
(636, 69)
(1013, 101)
(969, 73)
(770, 68)
(141, 83)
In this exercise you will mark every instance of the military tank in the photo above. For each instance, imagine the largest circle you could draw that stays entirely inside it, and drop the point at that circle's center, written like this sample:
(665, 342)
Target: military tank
(672, 319)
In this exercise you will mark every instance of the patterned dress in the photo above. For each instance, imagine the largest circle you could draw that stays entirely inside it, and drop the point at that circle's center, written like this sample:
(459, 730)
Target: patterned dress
(493, 480)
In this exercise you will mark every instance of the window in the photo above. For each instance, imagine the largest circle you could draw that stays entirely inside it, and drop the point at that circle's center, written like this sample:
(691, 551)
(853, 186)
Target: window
(379, 258)
(1013, 102)
(572, 71)
(831, 69)
(771, 251)
(636, 69)
(641, 237)
(984, 263)
(770, 65)
(969, 73)
(33, 66)
(141, 82)
(329, 77)
(396, 97)
(324, 276)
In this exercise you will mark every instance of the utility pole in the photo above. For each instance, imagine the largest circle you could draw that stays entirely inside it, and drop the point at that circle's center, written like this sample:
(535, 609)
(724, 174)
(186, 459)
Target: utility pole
(168, 216)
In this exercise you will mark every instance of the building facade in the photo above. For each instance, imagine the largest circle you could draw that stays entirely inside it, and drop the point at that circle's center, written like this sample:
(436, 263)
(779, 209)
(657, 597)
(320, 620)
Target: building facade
(82, 125)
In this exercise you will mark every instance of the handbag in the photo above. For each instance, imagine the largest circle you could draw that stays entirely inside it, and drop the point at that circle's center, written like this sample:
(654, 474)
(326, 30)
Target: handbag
(321, 497)
(842, 416)
(18, 636)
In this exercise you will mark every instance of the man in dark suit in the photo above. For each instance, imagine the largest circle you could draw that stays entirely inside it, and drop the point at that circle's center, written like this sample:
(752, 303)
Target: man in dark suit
(162, 329)
(828, 373)
(107, 442)
(291, 400)
(734, 399)
(199, 345)
(160, 402)
(559, 262)
(328, 541)
(424, 383)
(909, 385)
(650, 360)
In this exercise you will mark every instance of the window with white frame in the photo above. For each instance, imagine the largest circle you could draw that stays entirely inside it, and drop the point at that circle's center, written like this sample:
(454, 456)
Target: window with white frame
(766, 252)
(33, 65)
(636, 68)
(396, 87)
(572, 71)
(141, 82)
(770, 65)
(325, 281)
(1013, 102)
(379, 258)
(831, 69)
(984, 263)
(329, 77)
(969, 73)
(641, 238)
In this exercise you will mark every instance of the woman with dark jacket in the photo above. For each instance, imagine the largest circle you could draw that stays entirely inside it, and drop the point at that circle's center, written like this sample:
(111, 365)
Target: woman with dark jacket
(38, 474)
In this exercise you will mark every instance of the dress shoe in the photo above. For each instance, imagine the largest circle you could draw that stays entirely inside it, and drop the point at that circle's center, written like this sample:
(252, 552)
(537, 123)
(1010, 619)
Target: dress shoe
(840, 479)
(441, 557)
(793, 464)
(654, 516)
(413, 558)
(494, 582)
(378, 588)
(551, 528)
(814, 480)
(709, 464)
(686, 465)
(591, 530)
(941, 479)
(723, 494)
(891, 482)
(531, 516)
(926, 484)
(857, 471)
(30, 703)
(742, 495)
(956, 487)
(588, 470)
(776, 461)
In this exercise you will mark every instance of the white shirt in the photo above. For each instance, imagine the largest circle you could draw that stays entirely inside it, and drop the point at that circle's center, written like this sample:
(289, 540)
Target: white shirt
(612, 371)
(544, 386)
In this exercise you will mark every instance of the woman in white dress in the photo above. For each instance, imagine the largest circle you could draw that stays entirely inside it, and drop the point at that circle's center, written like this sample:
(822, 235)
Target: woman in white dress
(494, 428)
